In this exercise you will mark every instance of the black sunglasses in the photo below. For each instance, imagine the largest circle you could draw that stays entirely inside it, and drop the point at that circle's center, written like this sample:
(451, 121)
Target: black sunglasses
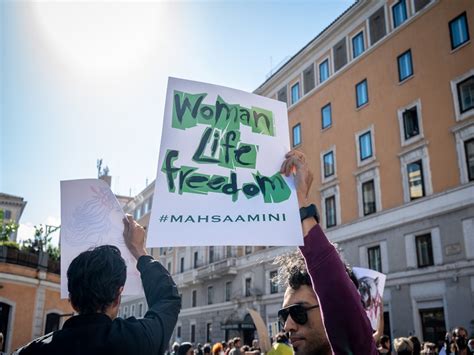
(298, 313)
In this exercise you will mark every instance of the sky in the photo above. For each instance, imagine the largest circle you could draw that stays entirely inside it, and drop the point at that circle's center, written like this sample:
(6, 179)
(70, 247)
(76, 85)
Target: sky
(83, 80)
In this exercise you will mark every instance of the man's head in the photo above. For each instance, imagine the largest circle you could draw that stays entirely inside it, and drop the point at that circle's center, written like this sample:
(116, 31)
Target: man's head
(300, 315)
(95, 280)
(206, 349)
(460, 338)
(236, 342)
(403, 346)
(385, 342)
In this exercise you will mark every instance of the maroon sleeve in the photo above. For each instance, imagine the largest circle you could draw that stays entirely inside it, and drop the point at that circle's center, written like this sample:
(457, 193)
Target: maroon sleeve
(347, 325)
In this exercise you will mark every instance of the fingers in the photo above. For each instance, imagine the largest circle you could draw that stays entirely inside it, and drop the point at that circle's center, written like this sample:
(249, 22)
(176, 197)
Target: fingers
(294, 161)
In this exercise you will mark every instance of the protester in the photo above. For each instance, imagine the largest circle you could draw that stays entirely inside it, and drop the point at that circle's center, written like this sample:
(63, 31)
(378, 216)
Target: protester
(322, 309)
(175, 348)
(429, 348)
(459, 342)
(217, 349)
(236, 349)
(416, 344)
(207, 349)
(230, 346)
(280, 346)
(95, 282)
(185, 348)
(403, 346)
(384, 347)
(255, 347)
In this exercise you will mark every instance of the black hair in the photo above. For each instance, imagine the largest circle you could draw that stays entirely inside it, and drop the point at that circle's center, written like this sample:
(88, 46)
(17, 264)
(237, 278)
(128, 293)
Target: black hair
(95, 277)
(184, 347)
(293, 272)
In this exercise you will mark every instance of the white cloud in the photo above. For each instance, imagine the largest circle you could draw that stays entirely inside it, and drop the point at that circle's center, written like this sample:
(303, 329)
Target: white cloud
(25, 231)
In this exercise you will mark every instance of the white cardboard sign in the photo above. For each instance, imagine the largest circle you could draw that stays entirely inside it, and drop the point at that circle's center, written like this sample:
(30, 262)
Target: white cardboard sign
(92, 216)
(218, 180)
(371, 286)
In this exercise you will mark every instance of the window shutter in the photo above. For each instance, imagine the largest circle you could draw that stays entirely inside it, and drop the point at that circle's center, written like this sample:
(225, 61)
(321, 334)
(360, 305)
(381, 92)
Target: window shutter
(377, 25)
(340, 54)
(282, 95)
(308, 78)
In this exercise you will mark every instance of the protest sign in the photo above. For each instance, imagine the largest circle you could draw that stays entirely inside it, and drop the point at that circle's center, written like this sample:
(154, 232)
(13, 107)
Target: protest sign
(371, 286)
(92, 216)
(218, 180)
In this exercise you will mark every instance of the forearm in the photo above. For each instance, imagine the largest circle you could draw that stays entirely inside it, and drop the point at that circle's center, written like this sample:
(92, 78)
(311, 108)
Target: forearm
(346, 323)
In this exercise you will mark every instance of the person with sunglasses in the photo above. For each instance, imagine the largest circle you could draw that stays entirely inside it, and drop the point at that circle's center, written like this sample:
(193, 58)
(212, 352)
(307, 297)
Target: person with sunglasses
(322, 309)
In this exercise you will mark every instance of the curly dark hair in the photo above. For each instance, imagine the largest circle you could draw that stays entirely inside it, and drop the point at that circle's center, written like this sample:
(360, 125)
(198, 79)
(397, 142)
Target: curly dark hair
(292, 271)
(95, 277)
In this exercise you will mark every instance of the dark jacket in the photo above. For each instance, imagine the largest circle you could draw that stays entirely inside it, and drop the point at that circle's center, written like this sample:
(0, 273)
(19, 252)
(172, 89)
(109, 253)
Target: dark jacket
(97, 334)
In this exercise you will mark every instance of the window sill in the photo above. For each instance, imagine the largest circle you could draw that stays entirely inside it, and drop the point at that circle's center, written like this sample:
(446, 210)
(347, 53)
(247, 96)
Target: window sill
(460, 46)
(406, 79)
(365, 162)
(412, 140)
(329, 179)
(362, 106)
(326, 128)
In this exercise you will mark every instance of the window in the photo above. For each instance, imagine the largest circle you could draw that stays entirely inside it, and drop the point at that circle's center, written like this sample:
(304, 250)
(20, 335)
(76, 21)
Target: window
(330, 203)
(308, 79)
(365, 146)
(125, 312)
(210, 295)
(181, 264)
(328, 161)
(377, 26)
(208, 332)
(375, 258)
(248, 250)
(228, 290)
(52, 323)
(169, 267)
(193, 333)
(424, 250)
(297, 135)
(211, 255)
(140, 310)
(368, 197)
(469, 149)
(433, 324)
(459, 31)
(362, 97)
(340, 54)
(7, 214)
(323, 71)
(273, 284)
(326, 116)
(178, 331)
(229, 251)
(282, 96)
(132, 310)
(465, 90)
(419, 4)
(358, 46)
(248, 284)
(295, 93)
(405, 66)
(196, 258)
(194, 298)
(399, 13)
(410, 123)
(415, 180)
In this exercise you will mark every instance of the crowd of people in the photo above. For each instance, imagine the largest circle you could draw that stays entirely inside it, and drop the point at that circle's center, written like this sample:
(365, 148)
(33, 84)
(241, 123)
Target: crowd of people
(321, 314)
(455, 343)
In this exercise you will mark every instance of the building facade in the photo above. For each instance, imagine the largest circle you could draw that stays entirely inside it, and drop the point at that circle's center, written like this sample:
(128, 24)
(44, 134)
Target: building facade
(12, 207)
(382, 103)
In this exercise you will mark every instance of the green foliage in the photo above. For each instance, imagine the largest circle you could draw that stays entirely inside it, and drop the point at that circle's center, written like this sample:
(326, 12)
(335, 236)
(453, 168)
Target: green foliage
(54, 252)
(6, 227)
(41, 242)
(9, 244)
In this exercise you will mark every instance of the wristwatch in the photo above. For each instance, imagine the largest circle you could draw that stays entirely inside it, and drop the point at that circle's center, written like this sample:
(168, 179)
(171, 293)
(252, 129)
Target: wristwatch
(309, 212)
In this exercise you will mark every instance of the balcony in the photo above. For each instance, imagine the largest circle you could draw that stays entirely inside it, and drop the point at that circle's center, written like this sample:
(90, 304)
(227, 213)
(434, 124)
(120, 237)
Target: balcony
(186, 278)
(218, 269)
(40, 261)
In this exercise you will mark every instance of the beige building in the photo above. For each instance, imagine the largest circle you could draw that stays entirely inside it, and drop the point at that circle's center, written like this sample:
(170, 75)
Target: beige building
(12, 207)
(382, 103)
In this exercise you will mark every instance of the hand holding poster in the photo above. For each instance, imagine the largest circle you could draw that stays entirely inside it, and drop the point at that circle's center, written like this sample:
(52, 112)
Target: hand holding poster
(218, 179)
(91, 216)
(371, 286)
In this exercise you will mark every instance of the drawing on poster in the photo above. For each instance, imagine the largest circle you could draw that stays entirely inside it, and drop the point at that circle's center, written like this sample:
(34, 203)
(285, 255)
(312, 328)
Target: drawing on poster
(90, 221)
(371, 286)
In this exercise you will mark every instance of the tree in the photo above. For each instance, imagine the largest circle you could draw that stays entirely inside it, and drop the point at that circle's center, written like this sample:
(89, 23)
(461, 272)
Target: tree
(7, 227)
(41, 242)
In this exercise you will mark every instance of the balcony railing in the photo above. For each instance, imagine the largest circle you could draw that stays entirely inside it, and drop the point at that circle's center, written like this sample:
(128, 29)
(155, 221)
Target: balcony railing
(40, 261)
(219, 268)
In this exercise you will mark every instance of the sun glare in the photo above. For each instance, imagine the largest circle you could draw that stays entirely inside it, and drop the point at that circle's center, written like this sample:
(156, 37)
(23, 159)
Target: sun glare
(101, 38)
